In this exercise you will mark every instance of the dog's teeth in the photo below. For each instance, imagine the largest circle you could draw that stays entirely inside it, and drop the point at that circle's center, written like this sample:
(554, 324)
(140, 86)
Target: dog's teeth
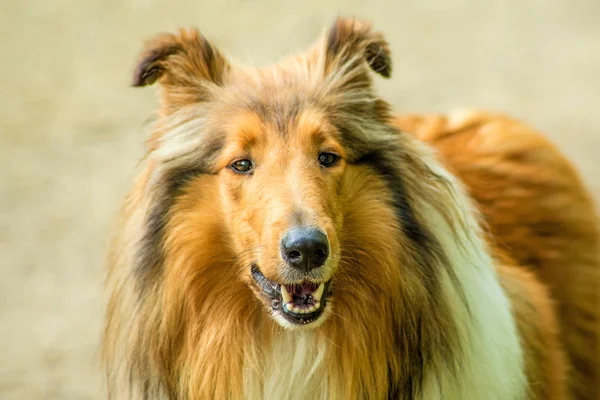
(317, 305)
(285, 295)
(296, 310)
(288, 306)
(319, 292)
(312, 308)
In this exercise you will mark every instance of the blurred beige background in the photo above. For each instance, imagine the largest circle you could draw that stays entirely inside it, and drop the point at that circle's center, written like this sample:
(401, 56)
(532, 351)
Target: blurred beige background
(70, 128)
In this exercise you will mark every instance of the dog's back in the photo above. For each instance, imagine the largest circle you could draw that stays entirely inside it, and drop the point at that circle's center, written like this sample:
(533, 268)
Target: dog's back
(545, 233)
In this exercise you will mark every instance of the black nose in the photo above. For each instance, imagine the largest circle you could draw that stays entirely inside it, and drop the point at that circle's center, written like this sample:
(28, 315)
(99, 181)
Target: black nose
(305, 248)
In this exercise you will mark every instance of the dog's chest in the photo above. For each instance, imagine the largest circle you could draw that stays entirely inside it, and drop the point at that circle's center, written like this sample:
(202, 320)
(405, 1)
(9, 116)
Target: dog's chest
(295, 366)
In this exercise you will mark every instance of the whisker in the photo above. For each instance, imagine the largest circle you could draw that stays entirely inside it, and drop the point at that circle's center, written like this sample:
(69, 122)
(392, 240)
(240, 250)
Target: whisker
(243, 257)
(320, 333)
(265, 319)
(343, 318)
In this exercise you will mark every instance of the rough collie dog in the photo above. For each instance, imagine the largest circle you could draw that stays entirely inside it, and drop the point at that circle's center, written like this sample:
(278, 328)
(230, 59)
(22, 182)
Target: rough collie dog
(288, 237)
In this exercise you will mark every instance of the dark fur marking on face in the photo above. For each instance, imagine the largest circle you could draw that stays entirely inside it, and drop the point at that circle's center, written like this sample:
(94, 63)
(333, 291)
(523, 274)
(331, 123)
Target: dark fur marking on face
(281, 114)
(166, 189)
(348, 119)
(355, 147)
(150, 255)
(384, 165)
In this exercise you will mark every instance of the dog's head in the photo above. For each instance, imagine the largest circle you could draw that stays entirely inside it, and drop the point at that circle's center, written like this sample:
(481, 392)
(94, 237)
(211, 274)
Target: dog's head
(278, 143)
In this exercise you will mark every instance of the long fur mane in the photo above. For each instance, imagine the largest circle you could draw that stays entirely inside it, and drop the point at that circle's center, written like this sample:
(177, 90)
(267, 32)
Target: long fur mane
(419, 312)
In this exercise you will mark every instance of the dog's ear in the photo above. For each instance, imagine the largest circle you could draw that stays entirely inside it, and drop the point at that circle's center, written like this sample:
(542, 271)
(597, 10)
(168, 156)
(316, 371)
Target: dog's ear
(350, 43)
(186, 65)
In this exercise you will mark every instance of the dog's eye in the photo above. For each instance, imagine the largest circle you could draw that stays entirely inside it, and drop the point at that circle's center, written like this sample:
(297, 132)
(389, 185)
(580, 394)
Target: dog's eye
(328, 159)
(242, 166)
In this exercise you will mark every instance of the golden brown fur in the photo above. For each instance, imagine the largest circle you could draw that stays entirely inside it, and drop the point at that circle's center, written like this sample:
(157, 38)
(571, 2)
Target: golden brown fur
(416, 310)
(538, 211)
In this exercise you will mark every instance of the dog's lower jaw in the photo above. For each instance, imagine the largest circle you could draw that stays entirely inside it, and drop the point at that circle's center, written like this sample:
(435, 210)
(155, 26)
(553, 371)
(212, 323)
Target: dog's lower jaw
(279, 317)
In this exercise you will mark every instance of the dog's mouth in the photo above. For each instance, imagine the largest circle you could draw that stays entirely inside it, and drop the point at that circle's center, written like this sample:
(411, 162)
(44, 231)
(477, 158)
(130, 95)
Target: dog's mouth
(299, 303)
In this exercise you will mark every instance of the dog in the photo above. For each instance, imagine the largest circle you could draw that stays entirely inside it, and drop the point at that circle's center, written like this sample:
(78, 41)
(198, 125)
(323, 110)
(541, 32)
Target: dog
(289, 236)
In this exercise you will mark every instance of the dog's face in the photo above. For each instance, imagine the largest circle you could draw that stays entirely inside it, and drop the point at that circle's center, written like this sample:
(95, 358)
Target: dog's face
(280, 187)
(280, 142)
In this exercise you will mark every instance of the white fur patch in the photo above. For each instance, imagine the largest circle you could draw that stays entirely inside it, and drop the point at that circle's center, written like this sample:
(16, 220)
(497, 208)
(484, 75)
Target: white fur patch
(293, 369)
(493, 364)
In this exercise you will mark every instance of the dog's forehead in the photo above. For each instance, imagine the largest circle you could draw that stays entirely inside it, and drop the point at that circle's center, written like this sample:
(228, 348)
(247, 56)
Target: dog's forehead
(277, 101)
(261, 124)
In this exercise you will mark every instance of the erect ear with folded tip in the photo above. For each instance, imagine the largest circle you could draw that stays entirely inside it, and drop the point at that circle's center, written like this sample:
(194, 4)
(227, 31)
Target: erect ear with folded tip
(186, 65)
(352, 44)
